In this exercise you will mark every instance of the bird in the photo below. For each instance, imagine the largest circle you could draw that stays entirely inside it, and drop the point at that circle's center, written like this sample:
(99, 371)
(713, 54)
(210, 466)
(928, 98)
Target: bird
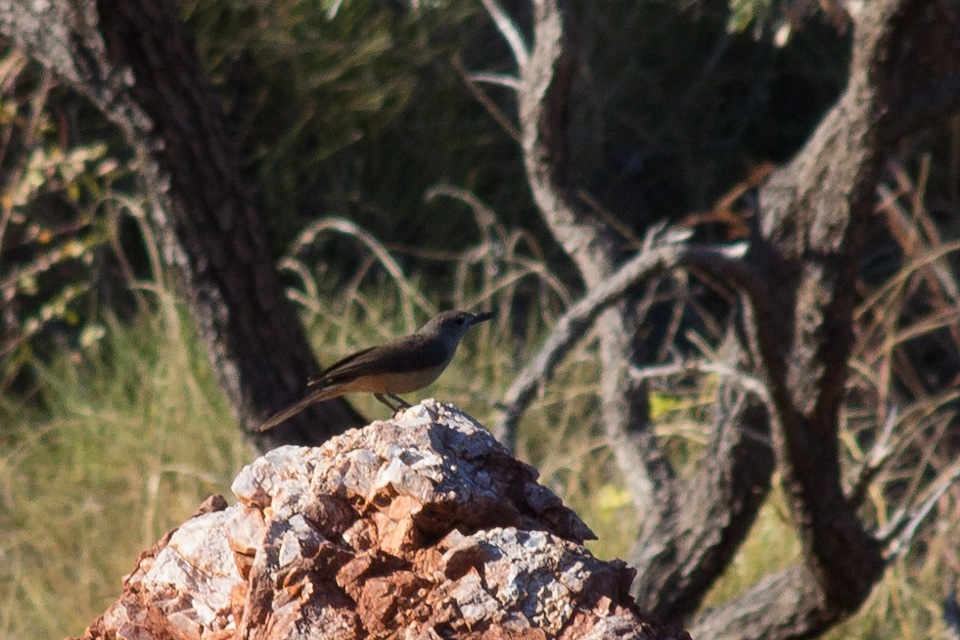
(400, 365)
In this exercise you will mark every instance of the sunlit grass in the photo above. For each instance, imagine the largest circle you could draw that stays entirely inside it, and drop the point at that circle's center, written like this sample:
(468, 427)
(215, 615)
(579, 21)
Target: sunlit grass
(770, 546)
(135, 436)
(906, 603)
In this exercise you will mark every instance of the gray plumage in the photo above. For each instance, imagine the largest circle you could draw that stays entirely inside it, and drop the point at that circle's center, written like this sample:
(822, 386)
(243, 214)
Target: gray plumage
(401, 365)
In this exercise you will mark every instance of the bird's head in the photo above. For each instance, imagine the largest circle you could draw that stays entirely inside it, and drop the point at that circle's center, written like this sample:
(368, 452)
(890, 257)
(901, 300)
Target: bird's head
(453, 325)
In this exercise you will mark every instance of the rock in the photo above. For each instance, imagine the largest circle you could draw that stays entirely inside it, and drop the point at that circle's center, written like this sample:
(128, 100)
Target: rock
(419, 527)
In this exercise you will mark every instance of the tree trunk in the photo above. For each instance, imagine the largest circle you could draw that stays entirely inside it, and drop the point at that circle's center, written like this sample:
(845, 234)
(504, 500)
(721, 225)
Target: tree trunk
(133, 61)
(799, 280)
(674, 539)
(806, 254)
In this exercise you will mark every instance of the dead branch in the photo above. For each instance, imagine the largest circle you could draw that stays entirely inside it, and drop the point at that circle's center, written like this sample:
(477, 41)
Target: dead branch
(648, 264)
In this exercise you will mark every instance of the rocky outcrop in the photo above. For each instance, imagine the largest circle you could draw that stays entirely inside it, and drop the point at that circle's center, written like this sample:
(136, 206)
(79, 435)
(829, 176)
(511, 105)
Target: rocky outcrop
(419, 527)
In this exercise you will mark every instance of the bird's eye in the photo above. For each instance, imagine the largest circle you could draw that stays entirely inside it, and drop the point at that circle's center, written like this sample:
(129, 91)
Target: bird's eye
(461, 320)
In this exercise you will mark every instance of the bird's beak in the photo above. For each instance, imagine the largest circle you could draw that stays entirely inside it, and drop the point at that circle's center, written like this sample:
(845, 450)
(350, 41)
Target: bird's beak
(481, 317)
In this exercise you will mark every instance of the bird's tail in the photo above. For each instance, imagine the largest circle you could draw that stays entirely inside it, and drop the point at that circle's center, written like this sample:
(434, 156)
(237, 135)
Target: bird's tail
(325, 393)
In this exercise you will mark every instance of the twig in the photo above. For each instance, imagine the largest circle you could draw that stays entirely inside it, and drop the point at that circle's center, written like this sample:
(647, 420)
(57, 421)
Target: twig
(875, 460)
(900, 532)
(508, 29)
(749, 383)
(649, 263)
(471, 80)
(499, 79)
(344, 226)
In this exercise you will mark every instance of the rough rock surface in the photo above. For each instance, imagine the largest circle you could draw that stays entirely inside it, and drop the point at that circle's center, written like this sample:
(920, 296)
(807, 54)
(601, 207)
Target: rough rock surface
(420, 527)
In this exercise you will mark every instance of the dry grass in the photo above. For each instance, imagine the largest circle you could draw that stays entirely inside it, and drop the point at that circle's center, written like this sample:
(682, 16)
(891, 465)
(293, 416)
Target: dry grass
(135, 435)
(133, 439)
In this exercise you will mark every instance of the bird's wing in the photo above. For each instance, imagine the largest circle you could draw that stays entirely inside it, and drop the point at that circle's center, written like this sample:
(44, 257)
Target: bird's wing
(342, 363)
(404, 355)
(326, 393)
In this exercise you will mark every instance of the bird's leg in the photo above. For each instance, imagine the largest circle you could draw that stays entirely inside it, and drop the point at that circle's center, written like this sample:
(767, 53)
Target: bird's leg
(401, 402)
(381, 398)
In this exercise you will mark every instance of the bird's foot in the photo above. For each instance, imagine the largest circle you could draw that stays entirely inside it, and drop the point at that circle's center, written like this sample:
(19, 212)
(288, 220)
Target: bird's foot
(400, 405)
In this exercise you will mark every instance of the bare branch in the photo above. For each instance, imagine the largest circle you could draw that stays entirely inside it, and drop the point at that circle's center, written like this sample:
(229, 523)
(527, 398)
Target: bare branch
(694, 539)
(877, 457)
(508, 29)
(471, 80)
(786, 604)
(900, 532)
(573, 324)
(499, 79)
(744, 380)
(815, 213)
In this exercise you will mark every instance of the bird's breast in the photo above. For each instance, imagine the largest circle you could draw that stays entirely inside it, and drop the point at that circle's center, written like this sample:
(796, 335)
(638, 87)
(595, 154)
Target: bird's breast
(394, 382)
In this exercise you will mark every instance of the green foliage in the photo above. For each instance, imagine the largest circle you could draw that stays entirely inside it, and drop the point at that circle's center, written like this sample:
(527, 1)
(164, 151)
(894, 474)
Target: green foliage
(772, 545)
(359, 107)
(356, 111)
(53, 230)
(670, 108)
(744, 13)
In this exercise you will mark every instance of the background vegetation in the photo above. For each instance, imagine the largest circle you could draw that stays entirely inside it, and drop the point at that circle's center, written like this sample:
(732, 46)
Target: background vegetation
(111, 427)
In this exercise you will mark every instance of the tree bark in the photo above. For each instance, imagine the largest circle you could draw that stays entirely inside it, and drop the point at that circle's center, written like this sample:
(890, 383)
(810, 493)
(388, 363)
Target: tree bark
(680, 557)
(133, 61)
(800, 279)
(591, 244)
(814, 215)
(673, 538)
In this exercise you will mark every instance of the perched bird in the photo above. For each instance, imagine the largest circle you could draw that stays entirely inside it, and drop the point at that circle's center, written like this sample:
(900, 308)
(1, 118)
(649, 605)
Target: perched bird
(402, 365)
